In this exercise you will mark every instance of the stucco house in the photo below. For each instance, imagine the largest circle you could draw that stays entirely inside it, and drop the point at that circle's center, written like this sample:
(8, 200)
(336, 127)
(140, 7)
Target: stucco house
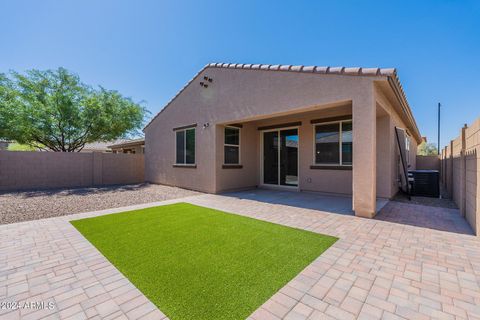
(4, 144)
(322, 129)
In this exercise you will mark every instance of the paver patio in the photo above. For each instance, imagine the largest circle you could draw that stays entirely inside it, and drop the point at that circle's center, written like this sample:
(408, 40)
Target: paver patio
(377, 269)
(438, 218)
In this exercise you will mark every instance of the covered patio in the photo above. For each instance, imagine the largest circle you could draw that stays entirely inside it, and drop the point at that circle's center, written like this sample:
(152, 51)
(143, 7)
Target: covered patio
(330, 203)
(413, 214)
(321, 129)
(315, 150)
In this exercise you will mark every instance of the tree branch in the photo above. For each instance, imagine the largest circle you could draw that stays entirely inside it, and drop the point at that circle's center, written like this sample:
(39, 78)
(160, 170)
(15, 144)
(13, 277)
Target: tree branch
(48, 144)
(79, 141)
(81, 148)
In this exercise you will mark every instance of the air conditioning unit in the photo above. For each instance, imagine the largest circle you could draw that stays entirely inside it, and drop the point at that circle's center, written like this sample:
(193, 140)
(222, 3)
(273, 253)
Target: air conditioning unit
(426, 183)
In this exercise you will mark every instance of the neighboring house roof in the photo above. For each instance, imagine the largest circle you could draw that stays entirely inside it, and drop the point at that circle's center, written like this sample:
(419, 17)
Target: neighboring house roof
(390, 73)
(102, 145)
(127, 143)
(97, 146)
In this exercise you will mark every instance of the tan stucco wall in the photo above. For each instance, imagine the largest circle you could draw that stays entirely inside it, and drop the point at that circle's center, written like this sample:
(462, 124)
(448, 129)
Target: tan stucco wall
(461, 172)
(385, 106)
(247, 176)
(384, 150)
(251, 97)
(447, 169)
(472, 175)
(46, 170)
(234, 96)
(428, 162)
(457, 167)
(332, 181)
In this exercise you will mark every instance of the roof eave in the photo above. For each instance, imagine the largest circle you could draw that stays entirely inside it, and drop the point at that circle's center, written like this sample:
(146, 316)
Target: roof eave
(396, 86)
(178, 93)
(390, 73)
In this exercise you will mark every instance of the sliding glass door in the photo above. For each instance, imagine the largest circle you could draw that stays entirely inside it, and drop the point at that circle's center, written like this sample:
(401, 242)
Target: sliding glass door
(270, 157)
(280, 157)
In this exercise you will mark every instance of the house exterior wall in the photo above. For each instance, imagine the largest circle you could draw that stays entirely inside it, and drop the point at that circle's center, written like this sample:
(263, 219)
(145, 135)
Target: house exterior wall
(384, 147)
(261, 97)
(248, 175)
(323, 180)
(333, 181)
(393, 153)
(233, 96)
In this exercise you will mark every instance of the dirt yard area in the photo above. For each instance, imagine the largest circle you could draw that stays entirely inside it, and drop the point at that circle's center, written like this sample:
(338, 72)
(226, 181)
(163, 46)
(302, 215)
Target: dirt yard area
(32, 205)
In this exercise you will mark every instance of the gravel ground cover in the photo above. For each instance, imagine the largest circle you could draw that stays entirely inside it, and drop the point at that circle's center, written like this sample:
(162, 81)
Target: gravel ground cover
(33, 205)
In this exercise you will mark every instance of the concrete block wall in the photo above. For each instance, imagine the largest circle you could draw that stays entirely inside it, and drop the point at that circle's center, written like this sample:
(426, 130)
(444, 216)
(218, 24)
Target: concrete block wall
(428, 163)
(460, 167)
(472, 174)
(457, 177)
(49, 170)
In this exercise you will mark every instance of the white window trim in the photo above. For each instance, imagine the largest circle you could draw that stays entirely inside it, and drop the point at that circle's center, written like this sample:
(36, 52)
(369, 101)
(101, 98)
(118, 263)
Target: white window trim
(340, 142)
(233, 145)
(185, 164)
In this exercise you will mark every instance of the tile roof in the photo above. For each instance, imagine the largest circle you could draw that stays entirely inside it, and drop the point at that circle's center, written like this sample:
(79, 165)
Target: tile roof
(99, 145)
(391, 73)
(106, 145)
(315, 69)
(127, 142)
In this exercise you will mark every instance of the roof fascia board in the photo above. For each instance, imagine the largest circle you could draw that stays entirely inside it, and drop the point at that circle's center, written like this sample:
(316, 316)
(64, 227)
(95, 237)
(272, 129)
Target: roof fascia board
(400, 95)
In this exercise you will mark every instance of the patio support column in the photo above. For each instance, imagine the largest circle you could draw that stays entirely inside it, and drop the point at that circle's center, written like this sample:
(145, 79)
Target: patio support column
(364, 155)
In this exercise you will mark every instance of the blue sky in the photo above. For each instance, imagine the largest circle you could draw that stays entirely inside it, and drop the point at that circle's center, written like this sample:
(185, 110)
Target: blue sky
(148, 49)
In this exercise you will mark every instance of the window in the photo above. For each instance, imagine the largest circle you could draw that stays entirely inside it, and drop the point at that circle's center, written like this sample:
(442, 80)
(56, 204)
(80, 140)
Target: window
(333, 143)
(185, 146)
(232, 145)
(346, 143)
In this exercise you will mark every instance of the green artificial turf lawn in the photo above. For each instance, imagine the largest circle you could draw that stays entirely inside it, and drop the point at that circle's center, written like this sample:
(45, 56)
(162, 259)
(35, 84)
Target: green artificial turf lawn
(199, 263)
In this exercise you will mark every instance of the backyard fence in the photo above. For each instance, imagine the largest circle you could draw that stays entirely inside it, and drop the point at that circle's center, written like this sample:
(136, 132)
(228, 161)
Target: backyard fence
(47, 170)
(428, 163)
(460, 166)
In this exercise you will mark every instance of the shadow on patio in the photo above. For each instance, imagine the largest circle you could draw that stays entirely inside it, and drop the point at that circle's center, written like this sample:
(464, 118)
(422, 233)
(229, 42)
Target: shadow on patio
(426, 216)
(307, 200)
(401, 212)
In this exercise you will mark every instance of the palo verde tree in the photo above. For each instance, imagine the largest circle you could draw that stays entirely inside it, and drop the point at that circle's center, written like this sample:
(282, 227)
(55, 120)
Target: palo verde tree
(427, 149)
(53, 110)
